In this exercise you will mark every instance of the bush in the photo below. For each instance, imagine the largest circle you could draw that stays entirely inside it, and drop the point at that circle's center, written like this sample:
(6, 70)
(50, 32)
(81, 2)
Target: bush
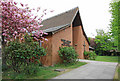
(32, 69)
(24, 55)
(90, 55)
(68, 54)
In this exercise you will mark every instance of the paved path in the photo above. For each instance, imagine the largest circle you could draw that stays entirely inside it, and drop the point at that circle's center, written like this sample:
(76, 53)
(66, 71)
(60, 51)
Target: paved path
(92, 70)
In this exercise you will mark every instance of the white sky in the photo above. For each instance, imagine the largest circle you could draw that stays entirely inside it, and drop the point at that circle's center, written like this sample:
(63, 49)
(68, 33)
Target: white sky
(94, 13)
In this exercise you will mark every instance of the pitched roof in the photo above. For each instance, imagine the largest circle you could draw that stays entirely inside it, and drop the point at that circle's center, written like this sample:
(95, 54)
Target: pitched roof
(59, 20)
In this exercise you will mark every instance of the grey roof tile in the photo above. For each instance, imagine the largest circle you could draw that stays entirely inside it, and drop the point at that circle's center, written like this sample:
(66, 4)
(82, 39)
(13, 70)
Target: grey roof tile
(59, 20)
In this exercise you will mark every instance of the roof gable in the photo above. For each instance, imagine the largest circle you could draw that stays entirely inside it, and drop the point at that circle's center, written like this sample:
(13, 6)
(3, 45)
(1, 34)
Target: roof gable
(78, 22)
(62, 21)
(59, 20)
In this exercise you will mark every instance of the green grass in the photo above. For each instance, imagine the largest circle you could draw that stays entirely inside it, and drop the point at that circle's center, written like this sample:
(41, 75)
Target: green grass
(107, 58)
(44, 72)
(117, 73)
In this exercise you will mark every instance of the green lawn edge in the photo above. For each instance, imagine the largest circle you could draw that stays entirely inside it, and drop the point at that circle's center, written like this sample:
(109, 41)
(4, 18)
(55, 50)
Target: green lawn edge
(45, 72)
(107, 58)
(117, 73)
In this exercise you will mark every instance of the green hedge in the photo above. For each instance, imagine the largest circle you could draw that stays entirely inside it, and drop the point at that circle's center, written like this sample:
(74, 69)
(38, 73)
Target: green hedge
(90, 55)
(68, 54)
(21, 57)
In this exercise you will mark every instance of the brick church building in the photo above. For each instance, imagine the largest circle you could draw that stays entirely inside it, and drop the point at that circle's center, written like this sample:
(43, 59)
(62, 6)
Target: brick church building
(64, 27)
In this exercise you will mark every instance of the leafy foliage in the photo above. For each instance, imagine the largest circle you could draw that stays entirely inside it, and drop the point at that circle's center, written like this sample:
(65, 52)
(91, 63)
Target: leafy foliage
(23, 55)
(68, 54)
(103, 41)
(90, 55)
(115, 25)
(16, 21)
(31, 69)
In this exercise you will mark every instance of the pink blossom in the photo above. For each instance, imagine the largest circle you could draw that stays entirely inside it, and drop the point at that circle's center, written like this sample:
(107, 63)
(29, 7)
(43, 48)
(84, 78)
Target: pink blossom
(46, 39)
(40, 22)
(42, 37)
(35, 17)
(11, 40)
(18, 28)
(41, 31)
(29, 10)
(0, 24)
(15, 32)
(5, 40)
(17, 35)
(33, 8)
(26, 4)
(23, 30)
(21, 38)
(44, 10)
(40, 26)
(42, 16)
(41, 34)
(35, 38)
(27, 7)
(21, 4)
(7, 26)
(38, 9)
(45, 13)
(16, 20)
(46, 33)
(52, 11)
(35, 27)
(4, 34)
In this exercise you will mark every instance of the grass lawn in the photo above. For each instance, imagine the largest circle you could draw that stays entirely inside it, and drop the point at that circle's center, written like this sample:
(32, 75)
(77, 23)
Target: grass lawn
(107, 58)
(44, 72)
(117, 73)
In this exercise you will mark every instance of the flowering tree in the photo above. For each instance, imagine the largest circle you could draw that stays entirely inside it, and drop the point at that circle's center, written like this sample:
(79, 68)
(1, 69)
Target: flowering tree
(20, 20)
(17, 21)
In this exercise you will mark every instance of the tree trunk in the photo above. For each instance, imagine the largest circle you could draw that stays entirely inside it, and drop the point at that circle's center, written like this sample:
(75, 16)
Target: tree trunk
(4, 65)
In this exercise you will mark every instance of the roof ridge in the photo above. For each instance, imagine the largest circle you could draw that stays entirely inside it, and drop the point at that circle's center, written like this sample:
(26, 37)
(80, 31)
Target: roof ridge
(61, 13)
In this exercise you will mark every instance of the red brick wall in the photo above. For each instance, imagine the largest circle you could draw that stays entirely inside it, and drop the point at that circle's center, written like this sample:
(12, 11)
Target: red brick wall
(73, 34)
(47, 60)
(78, 41)
(56, 42)
(86, 43)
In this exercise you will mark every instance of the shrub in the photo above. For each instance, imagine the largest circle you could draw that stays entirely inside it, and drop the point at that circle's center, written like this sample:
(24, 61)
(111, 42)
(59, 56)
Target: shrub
(68, 54)
(24, 55)
(32, 69)
(90, 55)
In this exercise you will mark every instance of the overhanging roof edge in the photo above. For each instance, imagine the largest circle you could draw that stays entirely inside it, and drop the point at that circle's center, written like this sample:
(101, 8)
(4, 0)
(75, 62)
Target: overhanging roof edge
(54, 29)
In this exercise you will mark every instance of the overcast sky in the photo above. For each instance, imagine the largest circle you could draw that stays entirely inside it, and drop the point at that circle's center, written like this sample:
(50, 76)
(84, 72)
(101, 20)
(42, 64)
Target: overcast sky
(94, 13)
